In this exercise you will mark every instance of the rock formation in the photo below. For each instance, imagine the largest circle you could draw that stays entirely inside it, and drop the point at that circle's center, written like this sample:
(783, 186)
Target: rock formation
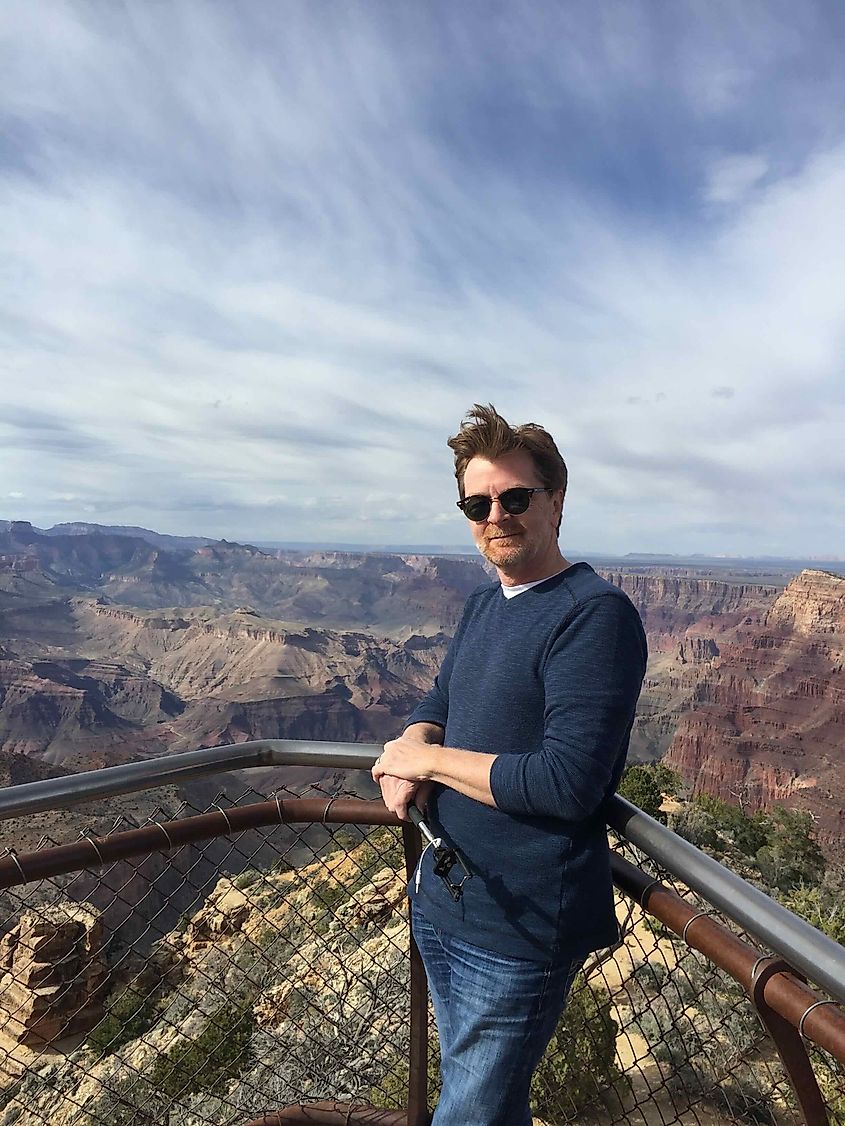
(767, 717)
(52, 974)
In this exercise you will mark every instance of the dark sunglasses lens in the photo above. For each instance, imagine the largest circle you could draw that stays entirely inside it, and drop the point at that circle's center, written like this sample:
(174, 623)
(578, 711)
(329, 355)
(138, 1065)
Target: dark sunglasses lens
(515, 501)
(476, 508)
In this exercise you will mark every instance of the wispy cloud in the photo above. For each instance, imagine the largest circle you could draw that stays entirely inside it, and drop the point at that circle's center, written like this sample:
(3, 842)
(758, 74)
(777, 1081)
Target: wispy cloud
(256, 265)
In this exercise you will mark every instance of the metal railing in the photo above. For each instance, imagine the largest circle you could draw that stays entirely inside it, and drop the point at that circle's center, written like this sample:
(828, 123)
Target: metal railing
(252, 962)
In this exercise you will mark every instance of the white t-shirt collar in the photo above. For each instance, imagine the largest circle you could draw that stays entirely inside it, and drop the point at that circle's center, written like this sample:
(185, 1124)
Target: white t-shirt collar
(513, 591)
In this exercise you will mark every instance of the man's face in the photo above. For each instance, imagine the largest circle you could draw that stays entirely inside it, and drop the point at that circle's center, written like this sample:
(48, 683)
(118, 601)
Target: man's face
(520, 547)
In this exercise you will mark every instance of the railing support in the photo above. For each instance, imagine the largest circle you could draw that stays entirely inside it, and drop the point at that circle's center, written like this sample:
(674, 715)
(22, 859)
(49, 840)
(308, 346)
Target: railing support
(788, 1042)
(418, 1114)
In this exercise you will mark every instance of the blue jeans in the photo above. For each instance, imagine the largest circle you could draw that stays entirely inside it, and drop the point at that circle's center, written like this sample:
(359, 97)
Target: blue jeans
(495, 1016)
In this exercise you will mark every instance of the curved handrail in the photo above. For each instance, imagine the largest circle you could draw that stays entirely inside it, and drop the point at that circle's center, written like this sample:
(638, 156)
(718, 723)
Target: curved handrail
(806, 949)
(130, 777)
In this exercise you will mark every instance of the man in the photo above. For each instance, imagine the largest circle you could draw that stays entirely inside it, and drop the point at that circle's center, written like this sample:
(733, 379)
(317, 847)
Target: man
(515, 750)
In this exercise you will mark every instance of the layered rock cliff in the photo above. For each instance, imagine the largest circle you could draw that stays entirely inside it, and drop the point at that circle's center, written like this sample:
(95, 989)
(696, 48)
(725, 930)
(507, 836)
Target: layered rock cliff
(670, 605)
(686, 620)
(766, 721)
(144, 681)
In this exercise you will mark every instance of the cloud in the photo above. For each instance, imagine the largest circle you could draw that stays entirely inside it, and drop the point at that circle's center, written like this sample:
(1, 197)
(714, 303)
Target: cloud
(256, 270)
(732, 177)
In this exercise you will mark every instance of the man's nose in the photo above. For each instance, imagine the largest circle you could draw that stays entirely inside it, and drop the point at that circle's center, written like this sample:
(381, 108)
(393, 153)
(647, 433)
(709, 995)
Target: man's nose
(497, 513)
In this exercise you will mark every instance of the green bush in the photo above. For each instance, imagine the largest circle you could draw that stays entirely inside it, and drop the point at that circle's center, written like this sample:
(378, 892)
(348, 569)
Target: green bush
(791, 856)
(669, 781)
(639, 786)
(822, 906)
(131, 1011)
(220, 1052)
(699, 827)
(579, 1065)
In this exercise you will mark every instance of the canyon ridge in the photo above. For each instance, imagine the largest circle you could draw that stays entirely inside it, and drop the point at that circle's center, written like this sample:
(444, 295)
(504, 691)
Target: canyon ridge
(117, 644)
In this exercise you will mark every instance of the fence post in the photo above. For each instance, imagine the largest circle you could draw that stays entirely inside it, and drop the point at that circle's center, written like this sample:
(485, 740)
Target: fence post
(418, 1114)
(788, 1042)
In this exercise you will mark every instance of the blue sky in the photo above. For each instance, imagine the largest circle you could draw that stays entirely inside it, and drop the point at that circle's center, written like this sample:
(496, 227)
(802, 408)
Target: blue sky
(257, 259)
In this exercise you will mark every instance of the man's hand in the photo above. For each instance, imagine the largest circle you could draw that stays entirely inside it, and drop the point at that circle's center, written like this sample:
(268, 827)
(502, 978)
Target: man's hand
(408, 757)
(398, 794)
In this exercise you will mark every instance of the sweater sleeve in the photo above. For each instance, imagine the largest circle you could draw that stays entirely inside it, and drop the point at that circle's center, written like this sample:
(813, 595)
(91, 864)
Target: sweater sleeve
(592, 678)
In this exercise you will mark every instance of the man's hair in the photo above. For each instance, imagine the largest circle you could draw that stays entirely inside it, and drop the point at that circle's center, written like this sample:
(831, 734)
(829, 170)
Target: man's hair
(484, 433)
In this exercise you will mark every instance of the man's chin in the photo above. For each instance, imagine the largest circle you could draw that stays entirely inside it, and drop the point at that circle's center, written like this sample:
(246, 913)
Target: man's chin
(504, 554)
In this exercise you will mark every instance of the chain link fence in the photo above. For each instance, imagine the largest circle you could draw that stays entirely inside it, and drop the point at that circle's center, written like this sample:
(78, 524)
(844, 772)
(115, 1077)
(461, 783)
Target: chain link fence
(216, 981)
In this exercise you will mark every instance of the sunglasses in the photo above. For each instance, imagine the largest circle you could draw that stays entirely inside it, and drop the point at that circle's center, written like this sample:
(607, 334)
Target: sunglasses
(513, 501)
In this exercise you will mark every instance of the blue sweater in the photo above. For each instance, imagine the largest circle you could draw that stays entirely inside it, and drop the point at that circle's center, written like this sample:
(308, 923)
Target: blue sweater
(548, 681)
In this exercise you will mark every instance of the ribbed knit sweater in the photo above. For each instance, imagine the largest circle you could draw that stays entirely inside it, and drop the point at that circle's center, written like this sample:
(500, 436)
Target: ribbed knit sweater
(548, 681)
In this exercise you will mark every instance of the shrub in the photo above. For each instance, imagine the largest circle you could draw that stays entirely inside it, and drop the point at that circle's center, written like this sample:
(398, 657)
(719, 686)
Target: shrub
(669, 781)
(220, 1052)
(579, 1065)
(699, 827)
(791, 857)
(131, 1011)
(639, 786)
(822, 906)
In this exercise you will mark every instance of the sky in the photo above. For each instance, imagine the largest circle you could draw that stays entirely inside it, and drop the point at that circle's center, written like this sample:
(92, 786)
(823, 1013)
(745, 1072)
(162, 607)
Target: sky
(257, 259)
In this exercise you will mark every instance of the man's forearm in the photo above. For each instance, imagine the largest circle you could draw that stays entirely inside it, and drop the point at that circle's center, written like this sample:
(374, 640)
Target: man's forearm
(417, 760)
(468, 772)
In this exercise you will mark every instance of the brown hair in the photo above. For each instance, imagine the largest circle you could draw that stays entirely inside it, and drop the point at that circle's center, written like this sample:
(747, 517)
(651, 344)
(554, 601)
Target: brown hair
(484, 433)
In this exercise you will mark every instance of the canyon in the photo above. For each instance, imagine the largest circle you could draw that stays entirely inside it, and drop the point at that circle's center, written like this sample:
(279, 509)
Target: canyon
(121, 644)
(766, 721)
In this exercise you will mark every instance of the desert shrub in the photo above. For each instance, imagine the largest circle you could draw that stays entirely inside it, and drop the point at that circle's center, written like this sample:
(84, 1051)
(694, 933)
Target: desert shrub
(247, 878)
(206, 1063)
(699, 827)
(823, 906)
(791, 856)
(131, 1010)
(639, 786)
(705, 1031)
(745, 1100)
(651, 976)
(579, 1065)
(669, 781)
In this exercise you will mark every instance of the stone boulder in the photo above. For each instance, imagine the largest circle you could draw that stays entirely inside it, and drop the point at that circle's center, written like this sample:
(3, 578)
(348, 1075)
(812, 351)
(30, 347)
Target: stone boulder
(53, 974)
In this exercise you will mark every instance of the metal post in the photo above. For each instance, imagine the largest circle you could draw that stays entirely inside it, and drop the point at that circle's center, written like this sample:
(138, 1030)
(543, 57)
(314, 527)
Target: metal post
(789, 1044)
(418, 1114)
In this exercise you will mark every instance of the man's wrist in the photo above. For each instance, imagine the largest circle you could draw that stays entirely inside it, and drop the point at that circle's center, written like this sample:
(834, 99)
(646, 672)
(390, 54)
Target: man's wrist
(430, 761)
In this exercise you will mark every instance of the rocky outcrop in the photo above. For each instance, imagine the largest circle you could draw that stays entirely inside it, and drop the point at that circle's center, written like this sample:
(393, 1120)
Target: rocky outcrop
(813, 605)
(766, 721)
(241, 676)
(38, 708)
(697, 650)
(52, 707)
(53, 974)
(336, 589)
(295, 982)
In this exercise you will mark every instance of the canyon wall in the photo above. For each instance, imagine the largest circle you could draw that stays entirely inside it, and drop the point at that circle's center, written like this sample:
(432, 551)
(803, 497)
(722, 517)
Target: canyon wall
(766, 721)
